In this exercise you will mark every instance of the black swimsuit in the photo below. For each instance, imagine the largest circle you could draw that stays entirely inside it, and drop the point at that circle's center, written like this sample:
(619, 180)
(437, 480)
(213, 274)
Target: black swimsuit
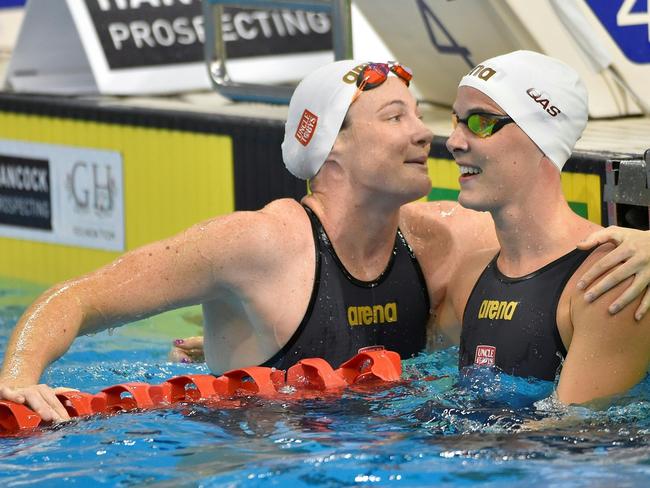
(346, 314)
(511, 323)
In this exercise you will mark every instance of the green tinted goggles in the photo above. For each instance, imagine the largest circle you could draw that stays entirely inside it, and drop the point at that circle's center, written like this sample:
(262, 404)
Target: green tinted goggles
(482, 124)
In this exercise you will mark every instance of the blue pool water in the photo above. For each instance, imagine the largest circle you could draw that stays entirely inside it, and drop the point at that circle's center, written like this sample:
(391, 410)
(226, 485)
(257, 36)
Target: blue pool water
(424, 431)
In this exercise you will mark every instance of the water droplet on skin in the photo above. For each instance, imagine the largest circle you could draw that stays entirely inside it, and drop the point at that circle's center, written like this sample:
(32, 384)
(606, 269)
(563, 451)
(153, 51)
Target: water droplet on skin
(449, 213)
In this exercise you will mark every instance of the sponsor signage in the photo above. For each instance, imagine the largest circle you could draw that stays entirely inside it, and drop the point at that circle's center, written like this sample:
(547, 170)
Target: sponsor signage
(306, 127)
(372, 314)
(137, 34)
(61, 194)
(155, 33)
(156, 46)
(250, 33)
(25, 192)
(485, 355)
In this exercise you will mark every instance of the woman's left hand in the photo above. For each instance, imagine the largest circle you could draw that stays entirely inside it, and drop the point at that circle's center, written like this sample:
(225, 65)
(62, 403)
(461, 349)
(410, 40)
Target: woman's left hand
(631, 257)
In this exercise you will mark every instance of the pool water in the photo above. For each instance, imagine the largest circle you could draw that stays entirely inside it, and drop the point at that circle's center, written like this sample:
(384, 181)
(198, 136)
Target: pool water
(432, 429)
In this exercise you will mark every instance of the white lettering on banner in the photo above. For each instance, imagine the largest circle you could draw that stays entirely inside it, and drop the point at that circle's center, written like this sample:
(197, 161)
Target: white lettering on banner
(244, 32)
(141, 32)
(119, 33)
(242, 25)
(161, 32)
(24, 207)
(319, 23)
(626, 17)
(296, 22)
(277, 21)
(262, 17)
(107, 5)
(249, 25)
(17, 177)
(186, 34)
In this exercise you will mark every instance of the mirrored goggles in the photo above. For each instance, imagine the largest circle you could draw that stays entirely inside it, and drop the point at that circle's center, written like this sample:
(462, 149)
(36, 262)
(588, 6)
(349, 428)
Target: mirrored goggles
(482, 124)
(375, 74)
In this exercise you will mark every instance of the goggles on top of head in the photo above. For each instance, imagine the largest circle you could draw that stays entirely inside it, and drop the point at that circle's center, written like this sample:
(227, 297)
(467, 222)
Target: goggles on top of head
(374, 74)
(482, 124)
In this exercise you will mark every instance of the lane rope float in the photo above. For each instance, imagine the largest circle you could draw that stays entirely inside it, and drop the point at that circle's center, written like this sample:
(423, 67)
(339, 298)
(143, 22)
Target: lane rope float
(307, 378)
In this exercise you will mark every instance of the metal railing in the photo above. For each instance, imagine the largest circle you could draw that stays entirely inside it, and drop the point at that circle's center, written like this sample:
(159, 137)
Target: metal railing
(215, 48)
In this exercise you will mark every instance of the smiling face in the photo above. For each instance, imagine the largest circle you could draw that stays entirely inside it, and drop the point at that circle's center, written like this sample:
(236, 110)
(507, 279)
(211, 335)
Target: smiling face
(385, 145)
(498, 170)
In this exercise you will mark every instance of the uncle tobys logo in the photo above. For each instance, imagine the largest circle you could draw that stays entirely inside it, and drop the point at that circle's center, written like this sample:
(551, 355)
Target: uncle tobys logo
(485, 355)
(306, 127)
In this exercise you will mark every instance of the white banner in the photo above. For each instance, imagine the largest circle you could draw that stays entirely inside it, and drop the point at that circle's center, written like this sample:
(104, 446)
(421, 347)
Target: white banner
(61, 194)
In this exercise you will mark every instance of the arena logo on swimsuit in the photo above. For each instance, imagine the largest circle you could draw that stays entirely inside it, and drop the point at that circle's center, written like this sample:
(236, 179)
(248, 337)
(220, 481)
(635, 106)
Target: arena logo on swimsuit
(495, 309)
(377, 314)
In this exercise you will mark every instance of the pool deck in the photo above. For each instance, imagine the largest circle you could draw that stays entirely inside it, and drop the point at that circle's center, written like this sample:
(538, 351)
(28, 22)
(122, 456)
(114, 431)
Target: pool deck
(623, 135)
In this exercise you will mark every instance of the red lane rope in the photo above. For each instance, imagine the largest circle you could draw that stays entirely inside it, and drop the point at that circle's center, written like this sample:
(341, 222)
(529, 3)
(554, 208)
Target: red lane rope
(308, 377)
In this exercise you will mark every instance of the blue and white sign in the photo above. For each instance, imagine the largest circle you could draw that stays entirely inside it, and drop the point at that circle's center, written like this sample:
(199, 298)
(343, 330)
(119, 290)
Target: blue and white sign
(12, 3)
(628, 23)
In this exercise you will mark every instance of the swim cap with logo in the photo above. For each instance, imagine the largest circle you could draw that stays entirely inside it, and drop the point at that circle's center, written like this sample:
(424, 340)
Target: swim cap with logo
(545, 97)
(316, 112)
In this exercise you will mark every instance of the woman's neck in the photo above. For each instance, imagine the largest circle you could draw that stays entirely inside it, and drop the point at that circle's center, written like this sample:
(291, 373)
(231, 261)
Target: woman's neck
(537, 232)
(362, 233)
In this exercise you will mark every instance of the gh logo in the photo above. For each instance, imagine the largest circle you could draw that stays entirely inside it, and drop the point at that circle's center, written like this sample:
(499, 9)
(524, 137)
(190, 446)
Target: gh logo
(92, 186)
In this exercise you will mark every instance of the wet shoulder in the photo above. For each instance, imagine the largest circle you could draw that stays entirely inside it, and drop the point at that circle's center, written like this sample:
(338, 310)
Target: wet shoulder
(277, 229)
(423, 225)
(285, 222)
(571, 292)
(445, 228)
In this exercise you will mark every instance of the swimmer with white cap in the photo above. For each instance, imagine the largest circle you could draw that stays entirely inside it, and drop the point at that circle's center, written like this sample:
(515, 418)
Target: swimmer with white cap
(516, 120)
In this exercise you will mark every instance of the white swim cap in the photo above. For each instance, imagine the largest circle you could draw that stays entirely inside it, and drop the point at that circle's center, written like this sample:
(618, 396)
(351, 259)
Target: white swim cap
(316, 112)
(545, 97)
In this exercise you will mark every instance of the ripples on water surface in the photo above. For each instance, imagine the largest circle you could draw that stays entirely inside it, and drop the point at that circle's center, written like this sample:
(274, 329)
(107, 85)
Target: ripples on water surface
(425, 431)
